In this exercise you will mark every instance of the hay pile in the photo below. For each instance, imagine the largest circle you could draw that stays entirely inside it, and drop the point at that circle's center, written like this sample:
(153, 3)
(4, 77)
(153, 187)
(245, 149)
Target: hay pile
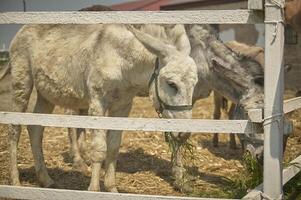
(143, 164)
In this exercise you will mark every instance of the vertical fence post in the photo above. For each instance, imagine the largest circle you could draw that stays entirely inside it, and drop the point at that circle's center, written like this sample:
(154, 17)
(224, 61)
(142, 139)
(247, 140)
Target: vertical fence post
(273, 109)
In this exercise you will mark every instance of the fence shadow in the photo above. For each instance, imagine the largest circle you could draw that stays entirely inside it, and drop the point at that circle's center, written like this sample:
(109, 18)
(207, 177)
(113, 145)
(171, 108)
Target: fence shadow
(64, 179)
(223, 150)
(137, 160)
(130, 162)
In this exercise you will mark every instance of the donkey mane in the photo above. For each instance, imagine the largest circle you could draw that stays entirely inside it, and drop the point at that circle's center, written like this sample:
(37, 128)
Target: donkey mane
(251, 65)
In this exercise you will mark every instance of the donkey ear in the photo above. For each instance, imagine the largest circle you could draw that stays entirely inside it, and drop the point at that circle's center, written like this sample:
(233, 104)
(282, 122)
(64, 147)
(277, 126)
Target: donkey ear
(219, 65)
(223, 69)
(153, 44)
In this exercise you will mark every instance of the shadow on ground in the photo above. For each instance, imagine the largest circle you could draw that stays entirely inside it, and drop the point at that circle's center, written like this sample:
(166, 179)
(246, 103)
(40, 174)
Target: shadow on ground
(63, 179)
(137, 160)
(223, 150)
(130, 162)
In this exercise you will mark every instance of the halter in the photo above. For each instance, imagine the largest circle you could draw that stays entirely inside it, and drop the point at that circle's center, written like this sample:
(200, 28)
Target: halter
(162, 105)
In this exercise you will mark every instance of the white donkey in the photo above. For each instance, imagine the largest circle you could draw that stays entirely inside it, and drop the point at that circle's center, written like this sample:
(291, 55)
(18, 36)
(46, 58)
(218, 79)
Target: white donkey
(235, 76)
(99, 68)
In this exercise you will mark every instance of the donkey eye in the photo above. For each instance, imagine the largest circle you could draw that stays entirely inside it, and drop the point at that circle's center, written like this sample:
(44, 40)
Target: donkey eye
(172, 85)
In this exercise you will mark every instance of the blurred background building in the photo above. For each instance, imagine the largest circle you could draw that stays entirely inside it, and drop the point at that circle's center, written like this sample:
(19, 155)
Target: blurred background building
(7, 32)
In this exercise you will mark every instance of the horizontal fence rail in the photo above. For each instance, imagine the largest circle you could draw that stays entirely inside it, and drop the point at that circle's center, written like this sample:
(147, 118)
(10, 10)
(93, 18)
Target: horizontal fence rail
(136, 17)
(293, 169)
(60, 194)
(291, 105)
(137, 124)
(255, 5)
(131, 124)
(256, 115)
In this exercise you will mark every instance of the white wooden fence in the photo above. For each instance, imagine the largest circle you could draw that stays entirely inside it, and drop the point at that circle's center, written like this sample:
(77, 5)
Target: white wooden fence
(274, 126)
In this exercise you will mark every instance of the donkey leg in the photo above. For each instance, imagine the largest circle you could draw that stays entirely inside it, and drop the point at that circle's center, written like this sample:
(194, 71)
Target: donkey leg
(98, 145)
(178, 169)
(72, 134)
(84, 148)
(36, 137)
(78, 162)
(98, 155)
(14, 135)
(215, 140)
(232, 143)
(81, 135)
(81, 139)
(216, 114)
(22, 87)
(113, 144)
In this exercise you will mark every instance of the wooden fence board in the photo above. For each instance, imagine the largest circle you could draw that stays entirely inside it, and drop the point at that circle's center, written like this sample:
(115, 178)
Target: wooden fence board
(255, 4)
(17, 192)
(137, 17)
(131, 124)
(256, 115)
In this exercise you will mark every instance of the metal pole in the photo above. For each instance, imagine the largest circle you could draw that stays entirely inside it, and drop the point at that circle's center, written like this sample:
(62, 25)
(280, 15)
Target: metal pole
(273, 109)
(24, 5)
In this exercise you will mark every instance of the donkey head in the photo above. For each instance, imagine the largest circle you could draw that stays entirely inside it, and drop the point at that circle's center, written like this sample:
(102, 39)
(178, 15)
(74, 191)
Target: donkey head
(245, 78)
(239, 78)
(174, 78)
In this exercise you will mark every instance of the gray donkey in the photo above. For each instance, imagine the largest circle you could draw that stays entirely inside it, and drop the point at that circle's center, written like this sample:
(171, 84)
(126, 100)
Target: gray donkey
(99, 68)
(254, 52)
(236, 77)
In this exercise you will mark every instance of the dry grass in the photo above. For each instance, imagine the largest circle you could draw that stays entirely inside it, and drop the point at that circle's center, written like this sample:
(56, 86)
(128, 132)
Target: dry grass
(143, 164)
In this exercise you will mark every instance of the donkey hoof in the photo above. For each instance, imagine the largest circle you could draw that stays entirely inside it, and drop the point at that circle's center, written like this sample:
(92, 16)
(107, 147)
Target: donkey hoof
(49, 184)
(53, 185)
(184, 187)
(81, 166)
(16, 182)
(94, 188)
(112, 189)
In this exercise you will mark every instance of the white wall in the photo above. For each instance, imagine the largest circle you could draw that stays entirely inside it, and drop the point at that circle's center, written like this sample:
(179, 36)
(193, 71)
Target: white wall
(229, 35)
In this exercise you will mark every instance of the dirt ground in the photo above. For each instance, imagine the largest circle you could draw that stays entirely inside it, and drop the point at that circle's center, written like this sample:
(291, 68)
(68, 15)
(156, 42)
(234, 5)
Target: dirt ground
(144, 160)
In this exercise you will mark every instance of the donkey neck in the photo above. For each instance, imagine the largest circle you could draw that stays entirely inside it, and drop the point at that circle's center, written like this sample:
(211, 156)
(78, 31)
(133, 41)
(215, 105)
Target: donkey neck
(215, 48)
(140, 76)
(223, 87)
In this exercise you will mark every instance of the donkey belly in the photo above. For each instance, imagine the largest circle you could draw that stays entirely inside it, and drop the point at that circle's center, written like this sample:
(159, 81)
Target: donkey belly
(59, 59)
(61, 89)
